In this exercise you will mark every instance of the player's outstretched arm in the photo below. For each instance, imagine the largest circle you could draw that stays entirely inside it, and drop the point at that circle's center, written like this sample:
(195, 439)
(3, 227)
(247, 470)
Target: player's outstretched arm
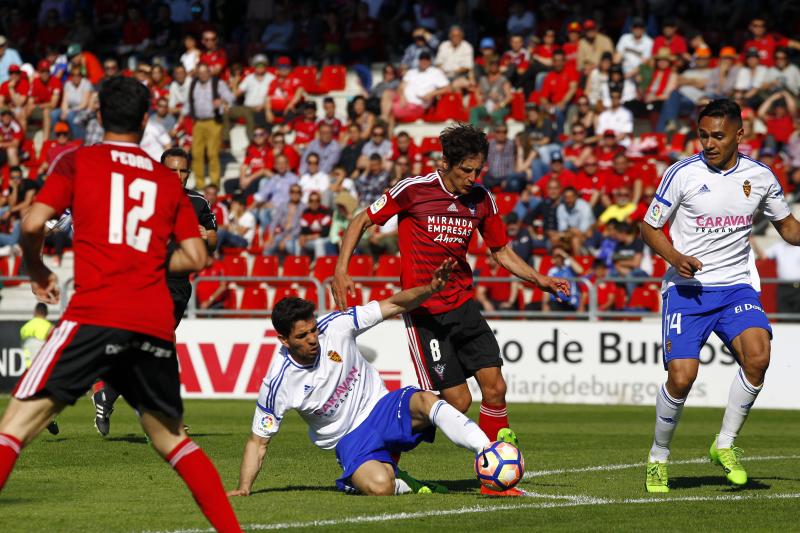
(44, 283)
(410, 299)
(190, 257)
(789, 230)
(686, 265)
(509, 260)
(254, 452)
(342, 284)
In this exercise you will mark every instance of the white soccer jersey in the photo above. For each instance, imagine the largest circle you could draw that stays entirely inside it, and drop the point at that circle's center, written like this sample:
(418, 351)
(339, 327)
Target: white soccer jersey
(335, 394)
(711, 216)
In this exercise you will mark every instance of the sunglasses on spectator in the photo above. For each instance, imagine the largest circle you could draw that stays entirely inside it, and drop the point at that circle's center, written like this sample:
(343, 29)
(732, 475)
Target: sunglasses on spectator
(501, 131)
(313, 200)
(62, 134)
(278, 140)
(110, 67)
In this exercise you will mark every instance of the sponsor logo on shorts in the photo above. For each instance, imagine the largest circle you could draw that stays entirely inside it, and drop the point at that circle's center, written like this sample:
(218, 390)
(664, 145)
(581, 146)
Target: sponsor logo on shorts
(746, 187)
(747, 307)
(157, 351)
(267, 422)
(439, 369)
(378, 204)
(335, 357)
(114, 349)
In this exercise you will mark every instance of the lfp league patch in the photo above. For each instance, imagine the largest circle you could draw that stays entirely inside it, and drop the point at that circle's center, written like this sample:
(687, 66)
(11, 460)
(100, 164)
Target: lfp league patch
(378, 204)
(267, 422)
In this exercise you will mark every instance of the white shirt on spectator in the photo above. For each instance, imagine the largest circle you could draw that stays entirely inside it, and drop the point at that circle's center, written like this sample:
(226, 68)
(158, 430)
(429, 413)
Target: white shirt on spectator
(628, 92)
(789, 78)
(319, 182)
(155, 138)
(255, 90)
(619, 120)
(189, 60)
(787, 258)
(634, 51)
(749, 79)
(247, 221)
(418, 83)
(451, 59)
(179, 92)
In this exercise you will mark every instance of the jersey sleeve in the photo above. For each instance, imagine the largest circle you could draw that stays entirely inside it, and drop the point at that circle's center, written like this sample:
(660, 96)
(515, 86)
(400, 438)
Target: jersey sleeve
(352, 321)
(667, 197)
(492, 227)
(185, 226)
(271, 405)
(397, 199)
(59, 186)
(774, 202)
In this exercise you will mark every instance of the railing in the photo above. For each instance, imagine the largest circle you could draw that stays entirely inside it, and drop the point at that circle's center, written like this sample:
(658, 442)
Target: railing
(592, 311)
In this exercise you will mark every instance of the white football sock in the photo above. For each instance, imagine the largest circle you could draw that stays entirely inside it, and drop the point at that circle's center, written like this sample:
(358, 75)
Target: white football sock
(741, 398)
(457, 427)
(668, 413)
(401, 487)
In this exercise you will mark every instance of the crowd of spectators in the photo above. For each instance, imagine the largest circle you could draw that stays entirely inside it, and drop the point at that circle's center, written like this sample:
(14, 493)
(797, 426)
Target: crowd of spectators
(600, 98)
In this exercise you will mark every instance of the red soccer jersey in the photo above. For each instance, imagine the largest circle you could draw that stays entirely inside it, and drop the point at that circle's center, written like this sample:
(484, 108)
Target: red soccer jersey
(556, 85)
(334, 123)
(766, 46)
(291, 155)
(23, 87)
(304, 130)
(12, 132)
(255, 157)
(570, 50)
(676, 45)
(217, 58)
(281, 91)
(434, 225)
(43, 92)
(583, 183)
(125, 208)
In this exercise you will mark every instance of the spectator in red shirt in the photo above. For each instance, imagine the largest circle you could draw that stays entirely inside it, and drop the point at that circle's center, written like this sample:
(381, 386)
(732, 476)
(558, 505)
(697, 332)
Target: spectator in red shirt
(404, 146)
(570, 47)
(607, 150)
(135, 32)
(219, 209)
(577, 150)
(159, 84)
(254, 166)
(45, 96)
(541, 60)
(315, 228)
(284, 93)
(279, 147)
(52, 149)
(14, 94)
(766, 43)
(558, 88)
(622, 176)
(776, 164)
(558, 170)
(776, 112)
(589, 182)
(11, 137)
(213, 56)
(670, 38)
(304, 126)
(329, 117)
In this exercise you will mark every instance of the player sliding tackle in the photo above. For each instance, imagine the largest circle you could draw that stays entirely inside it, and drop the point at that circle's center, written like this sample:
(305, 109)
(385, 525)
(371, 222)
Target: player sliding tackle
(322, 375)
(710, 200)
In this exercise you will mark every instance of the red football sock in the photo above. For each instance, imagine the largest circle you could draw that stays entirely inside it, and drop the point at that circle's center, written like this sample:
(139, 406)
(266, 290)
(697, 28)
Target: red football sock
(98, 386)
(492, 419)
(203, 480)
(10, 447)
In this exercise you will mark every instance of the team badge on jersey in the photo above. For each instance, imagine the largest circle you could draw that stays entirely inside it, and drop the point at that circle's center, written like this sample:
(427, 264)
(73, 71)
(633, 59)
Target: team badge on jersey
(335, 357)
(378, 204)
(746, 187)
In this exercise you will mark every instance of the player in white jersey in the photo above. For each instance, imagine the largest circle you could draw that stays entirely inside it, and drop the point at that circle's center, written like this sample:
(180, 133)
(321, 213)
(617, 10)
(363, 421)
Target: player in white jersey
(341, 397)
(710, 200)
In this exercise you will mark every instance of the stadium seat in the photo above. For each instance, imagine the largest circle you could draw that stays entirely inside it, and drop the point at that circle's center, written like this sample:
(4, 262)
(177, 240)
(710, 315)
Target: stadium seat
(505, 202)
(677, 142)
(661, 140)
(769, 291)
(307, 77)
(389, 266)
(324, 267)
(4, 266)
(312, 295)
(235, 265)
(263, 266)
(332, 78)
(605, 290)
(360, 266)
(585, 261)
(254, 298)
(659, 267)
(621, 298)
(545, 264)
(284, 292)
(355, 299)
(296, 266)
(644, 299)
(380, 293)
(430, 144)
(451, 107)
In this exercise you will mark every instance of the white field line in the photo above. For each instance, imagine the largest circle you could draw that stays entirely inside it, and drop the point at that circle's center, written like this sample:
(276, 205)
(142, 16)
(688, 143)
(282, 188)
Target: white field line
(609, 468)
(583, 501)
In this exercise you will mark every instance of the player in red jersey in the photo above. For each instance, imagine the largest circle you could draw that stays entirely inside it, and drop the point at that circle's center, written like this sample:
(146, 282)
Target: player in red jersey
(118, 325)
(449, 340)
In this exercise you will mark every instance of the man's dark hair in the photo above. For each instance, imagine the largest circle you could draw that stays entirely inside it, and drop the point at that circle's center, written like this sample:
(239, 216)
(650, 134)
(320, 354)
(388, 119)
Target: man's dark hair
(40, 309)
(175, 151)
(123, 104)
(570, 189)
(722, 108)
(328, 100)
(558, 52)
(461, 141)
(375, 157)
(288, 311)
(15, 169)
(240, 199)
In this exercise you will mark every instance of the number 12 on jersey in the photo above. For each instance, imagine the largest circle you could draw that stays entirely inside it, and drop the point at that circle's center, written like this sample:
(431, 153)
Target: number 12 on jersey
(118, 223)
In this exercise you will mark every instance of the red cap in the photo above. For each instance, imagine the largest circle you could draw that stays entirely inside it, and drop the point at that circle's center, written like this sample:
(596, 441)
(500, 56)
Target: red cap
(43, 64)
(13, 68)
(61, 127)
(574, 26)
(284, 61)
(609, 133)
(589, 24)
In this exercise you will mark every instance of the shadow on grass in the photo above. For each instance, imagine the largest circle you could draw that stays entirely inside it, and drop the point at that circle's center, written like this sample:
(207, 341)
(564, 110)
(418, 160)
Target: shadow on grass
(131, 438)
(299, 488)
(714, 481)
(458, 485)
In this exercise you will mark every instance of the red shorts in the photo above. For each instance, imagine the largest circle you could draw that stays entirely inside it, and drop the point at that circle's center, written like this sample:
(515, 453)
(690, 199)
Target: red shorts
(406, 112)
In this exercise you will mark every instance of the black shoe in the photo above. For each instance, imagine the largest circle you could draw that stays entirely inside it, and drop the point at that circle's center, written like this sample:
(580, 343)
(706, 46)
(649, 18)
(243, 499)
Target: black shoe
(52, 427)
(101, 413)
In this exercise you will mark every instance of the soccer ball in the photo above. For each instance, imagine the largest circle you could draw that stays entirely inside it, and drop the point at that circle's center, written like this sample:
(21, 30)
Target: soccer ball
(499, 466)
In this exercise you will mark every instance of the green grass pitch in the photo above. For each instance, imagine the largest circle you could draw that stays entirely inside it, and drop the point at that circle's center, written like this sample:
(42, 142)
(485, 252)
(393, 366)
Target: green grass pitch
(580, 459)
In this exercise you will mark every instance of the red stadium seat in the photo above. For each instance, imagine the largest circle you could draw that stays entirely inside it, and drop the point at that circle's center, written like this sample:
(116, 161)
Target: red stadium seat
(644, 298)
(324, 267)
(360, 265)
(332, 78)
(312, 295)
(518, 106)
(380, 293)
(621, 298)
(505, 202)
(296, 266)
(769, 291)
(307, 77)
(389, 266)
(356, 299)
(284, 292)
(545, 264)
(254, 298)
(235, 265)
(677, 142)
(605, 290)
(451, 107)
(659, 267)
(263, 266)
(661, 140)
(4, 266)
(430, 144)
(585, 261)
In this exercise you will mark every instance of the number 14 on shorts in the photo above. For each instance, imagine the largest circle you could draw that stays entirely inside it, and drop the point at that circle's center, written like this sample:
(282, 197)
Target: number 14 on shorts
(673, 322)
